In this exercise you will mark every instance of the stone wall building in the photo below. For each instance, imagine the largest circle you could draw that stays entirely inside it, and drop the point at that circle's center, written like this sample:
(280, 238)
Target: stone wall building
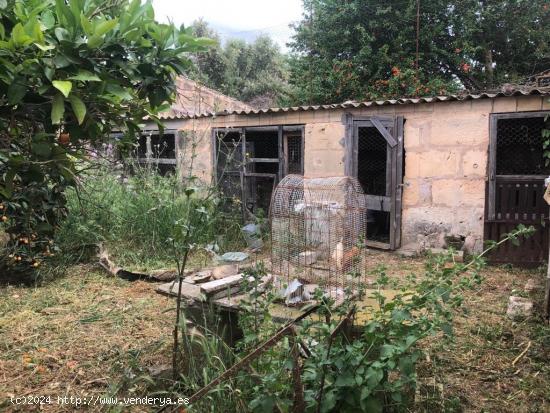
(437, 170)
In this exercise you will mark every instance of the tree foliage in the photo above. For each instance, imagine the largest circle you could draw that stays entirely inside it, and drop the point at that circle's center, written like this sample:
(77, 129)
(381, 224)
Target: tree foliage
(70, 73)
(361, 49)
(255, 72)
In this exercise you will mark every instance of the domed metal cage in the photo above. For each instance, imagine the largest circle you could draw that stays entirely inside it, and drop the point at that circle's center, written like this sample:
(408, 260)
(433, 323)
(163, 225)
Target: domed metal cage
(318, 233)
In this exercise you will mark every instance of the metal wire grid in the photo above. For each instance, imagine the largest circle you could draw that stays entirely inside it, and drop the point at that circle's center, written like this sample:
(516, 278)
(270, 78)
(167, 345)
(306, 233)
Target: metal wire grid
(294, 156)
(373, 154)
(318, 229)
(519, 147)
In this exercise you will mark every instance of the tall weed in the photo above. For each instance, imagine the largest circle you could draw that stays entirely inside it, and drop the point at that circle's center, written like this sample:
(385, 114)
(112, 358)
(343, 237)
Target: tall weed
(135, 217)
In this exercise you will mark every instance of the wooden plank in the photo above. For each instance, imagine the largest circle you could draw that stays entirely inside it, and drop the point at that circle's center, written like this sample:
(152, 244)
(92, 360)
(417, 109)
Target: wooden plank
(347, 119)
(231, 302)
(516, 115)
(378, 244)
(492, 166)
(160, 161)
(212, 287)
(226, 292)
(242, 170)
(383, 131)
(399, 125)
(282, 165)
(378, 203)
(261, 175)
(393, 194)
(188, 291)
(271, 160)
(528, 178)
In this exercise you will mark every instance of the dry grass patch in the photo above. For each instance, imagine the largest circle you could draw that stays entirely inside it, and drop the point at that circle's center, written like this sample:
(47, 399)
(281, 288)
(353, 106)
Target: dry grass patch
(82, 335)
(89, 334)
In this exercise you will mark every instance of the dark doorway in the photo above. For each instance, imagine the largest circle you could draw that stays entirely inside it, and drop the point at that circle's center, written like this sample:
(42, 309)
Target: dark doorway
(372, 173)
(251, 161)
(262, 168)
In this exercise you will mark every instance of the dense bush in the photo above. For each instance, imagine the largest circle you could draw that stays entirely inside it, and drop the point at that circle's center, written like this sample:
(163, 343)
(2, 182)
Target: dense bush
(70, 73)
(137, 216)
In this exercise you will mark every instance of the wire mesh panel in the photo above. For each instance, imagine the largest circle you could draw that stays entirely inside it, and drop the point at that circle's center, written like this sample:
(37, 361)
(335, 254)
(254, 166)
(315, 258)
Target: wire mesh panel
(373, 160)
(318, 230)
(519, 147)
(294, 154)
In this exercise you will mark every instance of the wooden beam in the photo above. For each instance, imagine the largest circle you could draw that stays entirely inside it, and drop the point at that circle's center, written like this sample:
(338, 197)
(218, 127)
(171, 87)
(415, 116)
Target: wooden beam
(272, 160)
(383, 131)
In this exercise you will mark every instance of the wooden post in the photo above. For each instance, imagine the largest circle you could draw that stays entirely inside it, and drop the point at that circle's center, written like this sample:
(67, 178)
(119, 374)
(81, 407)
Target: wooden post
(547, 291)
(546, 308)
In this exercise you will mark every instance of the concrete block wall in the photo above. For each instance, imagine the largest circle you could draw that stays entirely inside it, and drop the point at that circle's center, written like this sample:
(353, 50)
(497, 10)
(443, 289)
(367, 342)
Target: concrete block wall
(445, 168)
(446, 148)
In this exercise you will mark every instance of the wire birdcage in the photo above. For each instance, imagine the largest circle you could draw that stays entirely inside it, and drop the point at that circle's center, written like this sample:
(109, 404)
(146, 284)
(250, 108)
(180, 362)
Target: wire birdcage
(318, 232)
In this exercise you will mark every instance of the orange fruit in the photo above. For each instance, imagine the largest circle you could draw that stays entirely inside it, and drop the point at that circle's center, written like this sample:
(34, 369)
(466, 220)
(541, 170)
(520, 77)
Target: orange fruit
(64, 138)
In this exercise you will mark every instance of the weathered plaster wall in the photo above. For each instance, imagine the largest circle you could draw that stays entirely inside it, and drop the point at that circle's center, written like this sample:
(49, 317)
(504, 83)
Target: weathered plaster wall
(446, 148)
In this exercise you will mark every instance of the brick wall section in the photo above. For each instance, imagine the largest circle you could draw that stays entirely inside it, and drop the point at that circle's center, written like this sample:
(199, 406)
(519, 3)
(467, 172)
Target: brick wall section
(446, 148)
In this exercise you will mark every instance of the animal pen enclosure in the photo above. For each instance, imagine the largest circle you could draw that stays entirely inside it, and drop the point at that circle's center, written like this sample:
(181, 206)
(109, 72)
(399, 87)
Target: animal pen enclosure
(318, 232)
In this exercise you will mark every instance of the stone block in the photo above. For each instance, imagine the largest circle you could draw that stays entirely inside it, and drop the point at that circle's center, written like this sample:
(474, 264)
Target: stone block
(527, 103)
(417, 192)
(474, 163)
(417, 133)
(463, 129)
(431, 164)
(519, 308)
(533, 286)
(411, 192)
(505, 104)
(455, 193)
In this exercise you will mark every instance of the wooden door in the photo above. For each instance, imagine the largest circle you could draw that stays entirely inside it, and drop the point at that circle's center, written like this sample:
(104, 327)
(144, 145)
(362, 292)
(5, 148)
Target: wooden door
(375, 157)
(515, 188)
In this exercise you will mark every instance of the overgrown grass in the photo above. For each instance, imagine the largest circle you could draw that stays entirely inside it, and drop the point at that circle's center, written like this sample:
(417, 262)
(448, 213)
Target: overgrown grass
(134, 217)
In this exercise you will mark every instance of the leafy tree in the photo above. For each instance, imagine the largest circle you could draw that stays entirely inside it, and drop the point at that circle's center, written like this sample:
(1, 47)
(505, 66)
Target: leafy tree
(70, 73)
(256, 73)
(353, 49)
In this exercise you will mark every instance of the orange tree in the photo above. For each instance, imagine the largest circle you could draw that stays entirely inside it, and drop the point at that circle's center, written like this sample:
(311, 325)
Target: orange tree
(71, 72)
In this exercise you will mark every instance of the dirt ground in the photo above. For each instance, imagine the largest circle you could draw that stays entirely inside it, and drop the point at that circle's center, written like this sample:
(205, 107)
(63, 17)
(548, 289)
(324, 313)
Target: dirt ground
(87, 335)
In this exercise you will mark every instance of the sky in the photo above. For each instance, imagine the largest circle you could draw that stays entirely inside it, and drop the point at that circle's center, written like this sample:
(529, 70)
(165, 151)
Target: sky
(243, 19)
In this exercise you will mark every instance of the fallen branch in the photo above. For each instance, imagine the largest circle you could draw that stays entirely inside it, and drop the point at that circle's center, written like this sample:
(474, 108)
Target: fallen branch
(522, 353)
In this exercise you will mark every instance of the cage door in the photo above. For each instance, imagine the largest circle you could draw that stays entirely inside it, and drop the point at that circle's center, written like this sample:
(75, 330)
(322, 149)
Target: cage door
(378, 166)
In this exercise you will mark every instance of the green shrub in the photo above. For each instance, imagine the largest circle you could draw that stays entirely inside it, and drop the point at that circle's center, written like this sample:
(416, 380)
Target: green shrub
(135, 217)
(71, 73)
(373, 369)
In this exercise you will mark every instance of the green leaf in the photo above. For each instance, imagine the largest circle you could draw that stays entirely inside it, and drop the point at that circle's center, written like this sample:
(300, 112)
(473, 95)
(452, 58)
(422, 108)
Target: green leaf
(58, 108)
(95, 41)
(16, 91)
(105, 27)
(44, 48)
(86, 25)
(62, 34)
(345, 380)
(41, 149)
(372, 405)
(85, 76)
(3, 4)
(79, 108)
(7, 191)
(18, 35)
(64, 86)
(48, 19)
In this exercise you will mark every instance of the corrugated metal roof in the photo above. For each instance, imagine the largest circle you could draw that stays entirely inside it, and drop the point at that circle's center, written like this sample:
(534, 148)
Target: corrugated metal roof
(351, 105)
